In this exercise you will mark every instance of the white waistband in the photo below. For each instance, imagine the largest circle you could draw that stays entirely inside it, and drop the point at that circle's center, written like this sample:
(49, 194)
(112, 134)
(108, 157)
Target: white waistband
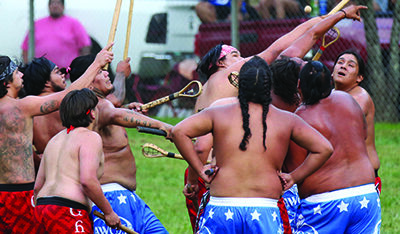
(243, 201)
(112, 187)
(342, 193)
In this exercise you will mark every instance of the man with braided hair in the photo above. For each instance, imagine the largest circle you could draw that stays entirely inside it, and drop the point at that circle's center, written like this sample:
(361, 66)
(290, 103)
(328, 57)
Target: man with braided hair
(249, 150)
(221, 60)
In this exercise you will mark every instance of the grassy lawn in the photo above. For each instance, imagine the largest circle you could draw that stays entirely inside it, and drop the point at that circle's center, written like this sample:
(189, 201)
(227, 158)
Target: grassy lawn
(160, 180)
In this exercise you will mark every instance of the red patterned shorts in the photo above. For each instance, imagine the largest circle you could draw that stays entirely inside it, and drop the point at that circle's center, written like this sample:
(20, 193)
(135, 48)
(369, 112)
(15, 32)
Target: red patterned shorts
(60, 215)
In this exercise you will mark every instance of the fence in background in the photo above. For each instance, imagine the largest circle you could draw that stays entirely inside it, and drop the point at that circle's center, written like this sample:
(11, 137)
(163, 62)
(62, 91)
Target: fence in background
(376, 38)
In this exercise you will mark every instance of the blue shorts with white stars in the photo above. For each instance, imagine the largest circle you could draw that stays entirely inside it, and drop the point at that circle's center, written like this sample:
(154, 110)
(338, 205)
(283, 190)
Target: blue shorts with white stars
(131, 209)
(241, 215)
(350, 210)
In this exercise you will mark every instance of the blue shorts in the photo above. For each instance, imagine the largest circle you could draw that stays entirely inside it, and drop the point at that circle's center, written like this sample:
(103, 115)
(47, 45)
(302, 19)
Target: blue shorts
(240, 215)
(131, 209)
(292, 202)
(350, 210)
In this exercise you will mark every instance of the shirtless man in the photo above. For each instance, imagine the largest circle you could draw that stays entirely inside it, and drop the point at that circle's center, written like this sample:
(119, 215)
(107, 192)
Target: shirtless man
(17, 172)
(284, 84)
(339, 197)
(348, 73)
(42, 77)
(249, 149)
(68, 177)
(119, 179)
(220, 61)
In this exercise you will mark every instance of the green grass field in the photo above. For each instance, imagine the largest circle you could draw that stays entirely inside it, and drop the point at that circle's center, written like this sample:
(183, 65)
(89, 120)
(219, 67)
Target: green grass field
(160, 180)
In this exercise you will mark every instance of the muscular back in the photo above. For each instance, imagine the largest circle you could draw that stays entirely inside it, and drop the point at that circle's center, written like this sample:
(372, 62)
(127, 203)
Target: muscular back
(16, 162)
(250, 173)
(340, 119)
(61, 164)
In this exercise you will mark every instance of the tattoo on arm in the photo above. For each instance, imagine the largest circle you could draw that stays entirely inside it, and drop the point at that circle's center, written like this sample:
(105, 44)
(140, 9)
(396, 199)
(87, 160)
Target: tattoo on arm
(49, 106)
(136, 121)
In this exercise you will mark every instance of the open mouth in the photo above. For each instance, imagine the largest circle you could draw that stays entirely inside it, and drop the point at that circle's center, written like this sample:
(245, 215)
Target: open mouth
(341, 74)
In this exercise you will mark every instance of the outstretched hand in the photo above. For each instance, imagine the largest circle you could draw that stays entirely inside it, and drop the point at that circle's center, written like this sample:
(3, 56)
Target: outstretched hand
(353, 12)
(105, 56)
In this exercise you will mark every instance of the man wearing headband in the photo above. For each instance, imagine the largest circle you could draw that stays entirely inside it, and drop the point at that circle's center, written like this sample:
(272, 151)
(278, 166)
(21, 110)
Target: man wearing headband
(119, 179)
(251, 139)
(17, 173)
(42, 77)
(293, 44)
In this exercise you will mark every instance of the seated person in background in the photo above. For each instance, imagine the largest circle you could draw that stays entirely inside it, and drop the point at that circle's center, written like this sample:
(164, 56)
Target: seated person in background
(281, 9)
(212, 11)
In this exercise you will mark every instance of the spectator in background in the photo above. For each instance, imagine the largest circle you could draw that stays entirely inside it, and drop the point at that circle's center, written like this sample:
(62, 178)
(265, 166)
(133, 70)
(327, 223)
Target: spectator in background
(280, 8)
(211, 11)
(58, 37)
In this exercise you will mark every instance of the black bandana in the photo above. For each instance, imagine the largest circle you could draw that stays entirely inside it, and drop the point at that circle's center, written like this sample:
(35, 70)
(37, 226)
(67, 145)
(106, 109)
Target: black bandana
(8, 71)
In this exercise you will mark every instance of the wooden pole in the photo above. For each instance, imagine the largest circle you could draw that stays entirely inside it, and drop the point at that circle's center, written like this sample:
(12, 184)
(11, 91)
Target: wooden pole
(128, 30)
(114, 24)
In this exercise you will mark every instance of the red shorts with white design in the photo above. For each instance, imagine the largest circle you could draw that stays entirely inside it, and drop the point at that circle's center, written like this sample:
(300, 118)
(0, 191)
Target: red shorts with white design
(60, 215)
(189, 203)
(17, 208)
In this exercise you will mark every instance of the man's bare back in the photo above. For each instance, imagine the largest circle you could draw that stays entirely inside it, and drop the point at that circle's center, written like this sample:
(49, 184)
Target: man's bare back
(61, 162)
(254, 169)
(250, 171)
(345, 128)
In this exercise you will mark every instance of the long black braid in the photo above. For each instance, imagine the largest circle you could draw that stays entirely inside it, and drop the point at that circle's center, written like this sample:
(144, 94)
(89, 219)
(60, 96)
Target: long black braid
(254, 86)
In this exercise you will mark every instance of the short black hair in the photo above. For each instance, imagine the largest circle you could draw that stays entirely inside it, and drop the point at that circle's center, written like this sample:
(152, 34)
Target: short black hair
(316, 82)
(360, 60)
(285, 78)
(79, 65)
(62, 1)
(75, 106)
(36, 74)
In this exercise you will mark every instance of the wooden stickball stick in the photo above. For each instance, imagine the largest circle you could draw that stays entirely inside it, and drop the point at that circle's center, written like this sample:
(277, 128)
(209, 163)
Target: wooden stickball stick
(128, 30)
(111, 35)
